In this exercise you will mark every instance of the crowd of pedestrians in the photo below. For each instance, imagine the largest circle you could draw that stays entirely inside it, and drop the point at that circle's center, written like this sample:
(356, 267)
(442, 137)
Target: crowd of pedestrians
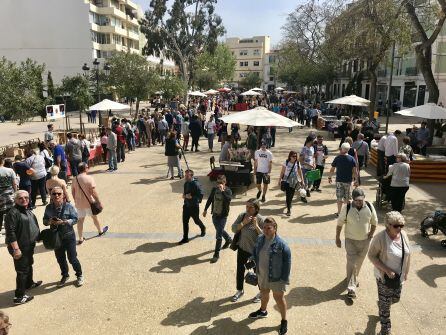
(255, 237)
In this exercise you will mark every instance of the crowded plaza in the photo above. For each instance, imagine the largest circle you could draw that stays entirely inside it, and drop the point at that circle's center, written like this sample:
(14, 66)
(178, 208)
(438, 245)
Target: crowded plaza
(161, 175)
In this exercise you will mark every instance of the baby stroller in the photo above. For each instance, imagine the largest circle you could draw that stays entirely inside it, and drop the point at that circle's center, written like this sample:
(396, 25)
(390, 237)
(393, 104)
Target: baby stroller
(436, 222)
(383, 191)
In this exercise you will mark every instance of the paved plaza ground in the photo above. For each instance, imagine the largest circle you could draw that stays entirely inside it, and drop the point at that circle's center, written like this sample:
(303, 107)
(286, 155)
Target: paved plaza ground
(139, 281)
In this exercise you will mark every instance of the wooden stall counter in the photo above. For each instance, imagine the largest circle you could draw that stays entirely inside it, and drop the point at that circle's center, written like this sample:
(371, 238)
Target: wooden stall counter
(422, 169)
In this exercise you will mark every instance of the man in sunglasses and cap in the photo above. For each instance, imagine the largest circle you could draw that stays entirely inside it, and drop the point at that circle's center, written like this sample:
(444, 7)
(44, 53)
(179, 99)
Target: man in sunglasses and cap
(360, 220)
(62, 216)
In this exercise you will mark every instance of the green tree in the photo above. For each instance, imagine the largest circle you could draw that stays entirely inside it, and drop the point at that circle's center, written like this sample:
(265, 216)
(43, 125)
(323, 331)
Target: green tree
(427, 22)
(21, 89)
(220, 63)
(171, 86)
(78, 88)
(183, 32)
(205, 79)
(251, 80)
(130, 77)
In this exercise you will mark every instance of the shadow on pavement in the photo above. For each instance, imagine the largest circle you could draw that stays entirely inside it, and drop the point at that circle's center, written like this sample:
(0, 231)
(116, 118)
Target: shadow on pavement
(151, 247)
(305, 219)
(371, 326)
(430, 273)
(175, 265)
(6, 298)
(310, 296)
(150, 181)
(198, 311)
(147, 166)
(229, 326)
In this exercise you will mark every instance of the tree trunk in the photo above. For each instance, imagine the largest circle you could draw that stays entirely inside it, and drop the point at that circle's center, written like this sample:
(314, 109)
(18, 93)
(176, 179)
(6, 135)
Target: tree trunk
(186, 77)
(136, 109)
(424, 62)
(373, 82)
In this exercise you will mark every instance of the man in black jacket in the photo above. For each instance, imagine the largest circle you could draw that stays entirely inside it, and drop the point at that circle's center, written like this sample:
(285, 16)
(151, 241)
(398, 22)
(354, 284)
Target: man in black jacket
(195, 131)
(192, 195)
(22, 232)
(220, 198)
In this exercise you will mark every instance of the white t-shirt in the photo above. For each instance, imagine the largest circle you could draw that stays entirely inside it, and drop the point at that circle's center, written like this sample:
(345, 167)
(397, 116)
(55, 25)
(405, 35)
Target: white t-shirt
(210, 127)
(294, 172)
(263, 158)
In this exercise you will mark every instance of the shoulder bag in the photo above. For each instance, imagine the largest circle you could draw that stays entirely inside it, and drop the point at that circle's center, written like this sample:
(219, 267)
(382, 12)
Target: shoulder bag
(395, 282)
(236, 238)
(283, 183)
(96, 207)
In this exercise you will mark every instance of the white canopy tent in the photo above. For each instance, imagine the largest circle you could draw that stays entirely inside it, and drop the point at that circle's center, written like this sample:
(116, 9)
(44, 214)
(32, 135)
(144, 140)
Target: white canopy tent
(279, 89)
(427, 111)
(260, 117)
(256, 89)
(250, 93)
(351, 100)
(211, 92)
(107, 104)
(197, 94)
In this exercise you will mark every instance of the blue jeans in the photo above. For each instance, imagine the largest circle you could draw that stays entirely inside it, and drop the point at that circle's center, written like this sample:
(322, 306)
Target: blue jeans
(68, 249)
(211, 140)
(219, 224)
(112, 162)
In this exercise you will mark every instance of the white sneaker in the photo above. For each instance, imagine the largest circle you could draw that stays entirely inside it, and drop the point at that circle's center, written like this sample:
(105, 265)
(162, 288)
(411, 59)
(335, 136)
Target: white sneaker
(256, 299)
(237, 295)
(80, 281)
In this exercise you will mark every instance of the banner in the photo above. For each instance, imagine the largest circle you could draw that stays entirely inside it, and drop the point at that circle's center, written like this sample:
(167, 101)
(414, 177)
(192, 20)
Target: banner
(55, 111)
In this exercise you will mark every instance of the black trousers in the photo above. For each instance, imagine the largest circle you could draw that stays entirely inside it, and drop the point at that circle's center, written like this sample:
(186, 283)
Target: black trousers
(120, 151)
(397, 196)
(242, 259)
(194, 143)
(38, 186)
(317, 183)
(289, 193)
(390, 160)
(194, 213)
(68, 249)
(24, 269)
(380, 166)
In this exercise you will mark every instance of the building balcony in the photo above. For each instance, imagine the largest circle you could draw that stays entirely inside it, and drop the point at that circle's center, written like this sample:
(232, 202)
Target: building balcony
(132, 35)
(108, 11)
(133, 20)
(109, 30)
(110, 47)
(135, 51)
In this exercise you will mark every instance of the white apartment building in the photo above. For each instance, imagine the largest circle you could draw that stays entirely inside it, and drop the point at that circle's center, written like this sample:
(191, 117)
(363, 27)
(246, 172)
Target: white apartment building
(65, 34)
(270, 78)
(250, 55)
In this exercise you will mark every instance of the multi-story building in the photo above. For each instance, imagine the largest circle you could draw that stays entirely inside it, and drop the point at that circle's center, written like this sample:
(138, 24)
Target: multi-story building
(65, 34)
(270, 78)
(250, 56)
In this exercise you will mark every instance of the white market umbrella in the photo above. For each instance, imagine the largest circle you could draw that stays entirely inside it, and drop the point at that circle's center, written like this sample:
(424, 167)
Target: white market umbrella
(260, 117)
(256, 89)
(290, 92)
(427, 111)
(248, 93)
(279, 89)
(197, 94)
(159, 92)
(351, 100)
(107, 104)
(224, 89)
(211, 92)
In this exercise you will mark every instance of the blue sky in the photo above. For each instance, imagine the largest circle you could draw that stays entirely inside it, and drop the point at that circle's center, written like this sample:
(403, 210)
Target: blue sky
(246, 18)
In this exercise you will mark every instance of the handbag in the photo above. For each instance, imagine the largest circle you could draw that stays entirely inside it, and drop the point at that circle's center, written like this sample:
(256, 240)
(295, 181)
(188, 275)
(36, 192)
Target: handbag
(96, 207)
(235, 240)
(50, 237)
(283, 183)
(251, 278)
(313, 175)
(395, 282)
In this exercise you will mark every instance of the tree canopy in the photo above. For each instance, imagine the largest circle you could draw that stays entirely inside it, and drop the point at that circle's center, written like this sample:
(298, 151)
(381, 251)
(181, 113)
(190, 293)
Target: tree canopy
(250, 81)
(130, 76)
(182, 32)
(21, 89)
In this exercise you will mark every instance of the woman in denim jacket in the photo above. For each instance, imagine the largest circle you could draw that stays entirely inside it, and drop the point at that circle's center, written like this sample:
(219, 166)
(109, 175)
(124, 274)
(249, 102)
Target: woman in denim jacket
(273, 264)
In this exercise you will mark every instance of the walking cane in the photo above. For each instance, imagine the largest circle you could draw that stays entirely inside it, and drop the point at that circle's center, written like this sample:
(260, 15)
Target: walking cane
(187, 165)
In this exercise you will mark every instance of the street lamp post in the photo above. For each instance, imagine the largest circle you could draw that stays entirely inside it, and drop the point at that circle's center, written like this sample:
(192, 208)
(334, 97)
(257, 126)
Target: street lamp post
(389, 102)
(86, 69)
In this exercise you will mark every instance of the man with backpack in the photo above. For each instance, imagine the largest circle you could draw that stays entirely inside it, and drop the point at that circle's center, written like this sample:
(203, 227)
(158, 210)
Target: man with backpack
(360, 220)
(192, 195)
(220, 199)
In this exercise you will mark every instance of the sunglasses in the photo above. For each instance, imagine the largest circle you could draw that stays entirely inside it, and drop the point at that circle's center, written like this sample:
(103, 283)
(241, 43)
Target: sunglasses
(56, 193)
(398, 226)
